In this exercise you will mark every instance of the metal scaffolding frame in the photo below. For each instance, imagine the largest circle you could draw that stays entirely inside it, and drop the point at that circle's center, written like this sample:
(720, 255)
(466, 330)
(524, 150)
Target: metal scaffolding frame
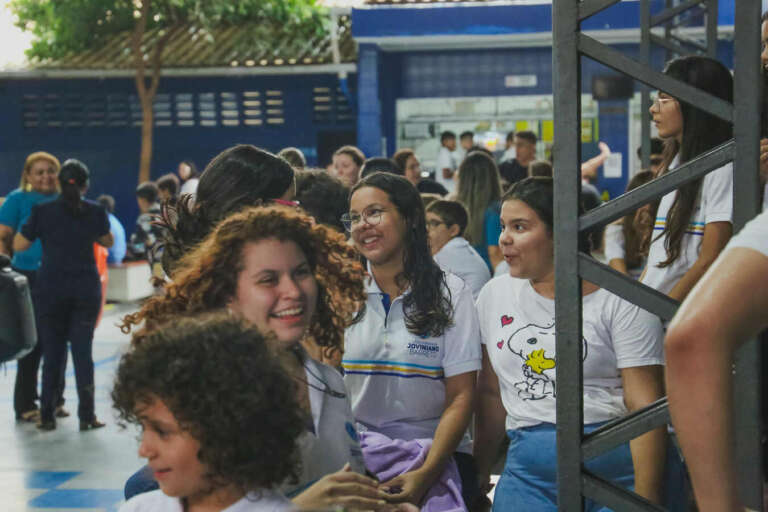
(569, 45)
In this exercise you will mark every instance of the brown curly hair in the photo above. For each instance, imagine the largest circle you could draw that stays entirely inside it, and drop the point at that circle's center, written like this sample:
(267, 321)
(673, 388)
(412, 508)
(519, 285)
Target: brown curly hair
(206, 278)
(228, 387)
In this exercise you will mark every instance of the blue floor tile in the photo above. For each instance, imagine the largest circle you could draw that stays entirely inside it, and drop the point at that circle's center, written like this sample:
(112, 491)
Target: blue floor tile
(78, 498)
(48, 479)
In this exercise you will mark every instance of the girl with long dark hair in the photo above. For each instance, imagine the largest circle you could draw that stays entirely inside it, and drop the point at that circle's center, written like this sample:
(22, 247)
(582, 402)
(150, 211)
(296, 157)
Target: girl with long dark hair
(693, 223)
(479, 189)
(410, 362)
(236, 178)
(68, 290)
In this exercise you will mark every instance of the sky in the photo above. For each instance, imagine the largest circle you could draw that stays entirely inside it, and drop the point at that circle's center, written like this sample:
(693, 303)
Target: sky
(13, 41)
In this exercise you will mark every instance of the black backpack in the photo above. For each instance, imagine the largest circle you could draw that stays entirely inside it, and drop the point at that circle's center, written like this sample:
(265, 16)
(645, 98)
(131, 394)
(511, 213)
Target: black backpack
(18, 334)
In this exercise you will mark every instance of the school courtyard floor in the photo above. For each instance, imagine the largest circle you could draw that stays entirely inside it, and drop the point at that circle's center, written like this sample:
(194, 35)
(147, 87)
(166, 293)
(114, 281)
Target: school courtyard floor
(67, 470)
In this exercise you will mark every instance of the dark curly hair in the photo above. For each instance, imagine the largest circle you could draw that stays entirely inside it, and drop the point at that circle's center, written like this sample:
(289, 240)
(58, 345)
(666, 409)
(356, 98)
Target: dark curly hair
(323, 196)
(227, 389)
(427, 308)
(701, 132)
(207, 276)
(238, 177)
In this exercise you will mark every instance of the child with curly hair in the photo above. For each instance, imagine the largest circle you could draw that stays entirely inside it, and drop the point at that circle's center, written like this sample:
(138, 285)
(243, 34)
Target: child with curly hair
(219, 417)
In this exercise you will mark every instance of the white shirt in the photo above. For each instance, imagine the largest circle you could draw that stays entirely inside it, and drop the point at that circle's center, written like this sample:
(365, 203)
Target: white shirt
(189, 186)
(157, 501)
(518, 329)
(754, 235)
(614, 247)
(509, 154)
(396, 378)
(445, 160)
(459, 257)
(334, 441)
(714, 204)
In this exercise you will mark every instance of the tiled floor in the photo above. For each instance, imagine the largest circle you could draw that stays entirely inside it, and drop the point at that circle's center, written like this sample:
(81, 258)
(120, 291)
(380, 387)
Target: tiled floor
(66, 470)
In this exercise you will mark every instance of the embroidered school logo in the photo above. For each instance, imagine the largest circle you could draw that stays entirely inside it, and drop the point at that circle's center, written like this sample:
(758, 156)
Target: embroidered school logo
(506, 320)
(538, 366)
(424, 348)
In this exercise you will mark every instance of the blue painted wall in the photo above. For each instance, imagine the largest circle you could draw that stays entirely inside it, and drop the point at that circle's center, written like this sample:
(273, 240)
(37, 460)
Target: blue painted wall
(112, 152)
(456, 73)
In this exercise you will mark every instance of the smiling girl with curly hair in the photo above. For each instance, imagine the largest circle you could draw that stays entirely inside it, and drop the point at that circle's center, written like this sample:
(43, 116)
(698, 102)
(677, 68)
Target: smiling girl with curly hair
(292, 278)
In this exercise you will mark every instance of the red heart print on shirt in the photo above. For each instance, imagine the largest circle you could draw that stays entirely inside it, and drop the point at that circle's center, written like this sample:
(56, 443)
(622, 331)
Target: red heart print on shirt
(506, 320)
(500, 344)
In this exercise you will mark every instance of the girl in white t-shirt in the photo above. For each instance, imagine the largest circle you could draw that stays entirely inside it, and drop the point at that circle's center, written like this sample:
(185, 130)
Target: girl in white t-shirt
(410, 362)
(622, 350)
(219, 416)
(693, 223)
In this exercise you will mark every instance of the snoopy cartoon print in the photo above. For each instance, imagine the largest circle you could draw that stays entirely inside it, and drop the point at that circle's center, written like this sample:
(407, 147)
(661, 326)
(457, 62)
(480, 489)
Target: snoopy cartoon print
(535, 346)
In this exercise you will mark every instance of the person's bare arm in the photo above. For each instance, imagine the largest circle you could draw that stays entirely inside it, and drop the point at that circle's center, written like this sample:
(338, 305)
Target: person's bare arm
(724, 309)
(716, 236)
(459, 401)
(490, 420)
(618, 264)
(590, 167)
(6, 240)
(643, 385)
(20, 243)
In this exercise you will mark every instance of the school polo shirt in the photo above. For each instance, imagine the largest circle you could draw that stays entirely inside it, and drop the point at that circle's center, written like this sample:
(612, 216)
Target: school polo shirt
(714, 204)
(459, 257)
(396, 378)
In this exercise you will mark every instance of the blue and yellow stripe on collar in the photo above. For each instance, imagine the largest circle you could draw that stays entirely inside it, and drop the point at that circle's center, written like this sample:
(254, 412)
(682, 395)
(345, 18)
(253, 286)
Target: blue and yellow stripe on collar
(392, 369)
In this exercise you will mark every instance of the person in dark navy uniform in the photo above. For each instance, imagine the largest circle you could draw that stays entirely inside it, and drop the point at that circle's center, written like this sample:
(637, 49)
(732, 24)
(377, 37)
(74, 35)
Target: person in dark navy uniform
(68, 290)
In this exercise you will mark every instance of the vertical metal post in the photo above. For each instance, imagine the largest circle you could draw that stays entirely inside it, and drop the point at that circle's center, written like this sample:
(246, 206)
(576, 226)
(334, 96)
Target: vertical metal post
(567, 103)
(645, 58)
(712, 28)
(746, 192)
(668, 32)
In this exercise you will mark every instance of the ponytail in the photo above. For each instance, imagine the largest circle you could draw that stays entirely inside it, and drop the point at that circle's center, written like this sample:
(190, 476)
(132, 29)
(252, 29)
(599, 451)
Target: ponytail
(73, 178)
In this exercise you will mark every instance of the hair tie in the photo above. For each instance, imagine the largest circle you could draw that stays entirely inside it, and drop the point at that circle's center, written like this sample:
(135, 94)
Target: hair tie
(71, 181)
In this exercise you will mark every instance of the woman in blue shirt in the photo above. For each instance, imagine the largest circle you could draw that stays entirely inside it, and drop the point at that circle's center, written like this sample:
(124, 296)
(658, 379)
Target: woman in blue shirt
(38, 185)
(69, 289)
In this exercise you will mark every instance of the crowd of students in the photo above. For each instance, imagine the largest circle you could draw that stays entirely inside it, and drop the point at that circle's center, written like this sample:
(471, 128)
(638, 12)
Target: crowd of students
(327, 339)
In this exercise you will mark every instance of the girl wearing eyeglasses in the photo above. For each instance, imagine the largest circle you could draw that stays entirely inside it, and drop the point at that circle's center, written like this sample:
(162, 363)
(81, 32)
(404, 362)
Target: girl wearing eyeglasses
(693, 223)
(292, 278)
(410, 362)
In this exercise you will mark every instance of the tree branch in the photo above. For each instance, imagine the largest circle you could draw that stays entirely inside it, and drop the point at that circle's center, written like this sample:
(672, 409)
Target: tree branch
(138, 56)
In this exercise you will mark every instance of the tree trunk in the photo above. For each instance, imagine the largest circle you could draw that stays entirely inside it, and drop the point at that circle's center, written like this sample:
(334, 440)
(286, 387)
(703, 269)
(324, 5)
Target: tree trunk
(147, 125)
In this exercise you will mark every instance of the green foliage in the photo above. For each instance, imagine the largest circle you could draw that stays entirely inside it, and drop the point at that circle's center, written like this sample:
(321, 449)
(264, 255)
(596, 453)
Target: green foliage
(64, 27)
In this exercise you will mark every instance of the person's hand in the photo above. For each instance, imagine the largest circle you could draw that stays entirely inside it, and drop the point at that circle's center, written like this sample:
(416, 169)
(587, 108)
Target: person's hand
(344, 488)
(484, 483)
(408, 488)
(603, 147)
(763, 161)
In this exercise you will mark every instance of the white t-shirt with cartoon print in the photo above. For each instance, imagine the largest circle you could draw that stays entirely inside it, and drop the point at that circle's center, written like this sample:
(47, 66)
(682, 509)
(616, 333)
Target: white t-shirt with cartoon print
(157, 501)
(714, 204)
(518, 330)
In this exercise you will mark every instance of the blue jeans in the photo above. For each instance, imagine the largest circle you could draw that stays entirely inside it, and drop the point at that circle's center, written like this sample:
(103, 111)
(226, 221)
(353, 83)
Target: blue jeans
(529, 479)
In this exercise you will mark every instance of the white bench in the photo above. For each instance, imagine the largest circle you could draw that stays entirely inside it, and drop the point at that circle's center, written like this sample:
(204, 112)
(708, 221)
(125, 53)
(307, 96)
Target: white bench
(129, 281)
